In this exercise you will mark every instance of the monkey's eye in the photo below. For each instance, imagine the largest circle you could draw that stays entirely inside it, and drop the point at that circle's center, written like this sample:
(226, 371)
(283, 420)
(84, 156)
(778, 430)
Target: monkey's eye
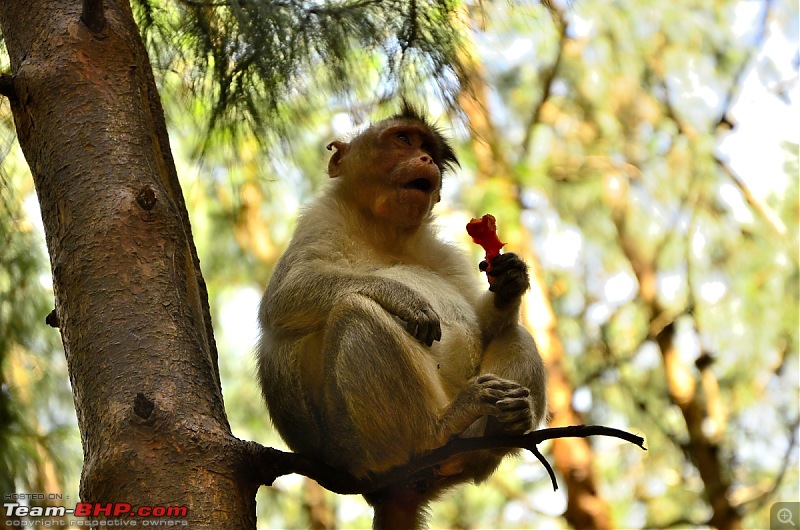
(403, 137)
(428, 147)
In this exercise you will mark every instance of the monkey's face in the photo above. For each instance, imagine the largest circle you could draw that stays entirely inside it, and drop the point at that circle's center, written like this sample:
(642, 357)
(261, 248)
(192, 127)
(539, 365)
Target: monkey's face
(408, 181)
(392, 172)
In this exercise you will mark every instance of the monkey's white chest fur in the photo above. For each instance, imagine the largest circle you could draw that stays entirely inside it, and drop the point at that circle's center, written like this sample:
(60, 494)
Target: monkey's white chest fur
(458, 354)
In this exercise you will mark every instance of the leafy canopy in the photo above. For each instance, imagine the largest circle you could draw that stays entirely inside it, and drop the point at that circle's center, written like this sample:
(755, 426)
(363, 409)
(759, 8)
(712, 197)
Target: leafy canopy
(263, 62)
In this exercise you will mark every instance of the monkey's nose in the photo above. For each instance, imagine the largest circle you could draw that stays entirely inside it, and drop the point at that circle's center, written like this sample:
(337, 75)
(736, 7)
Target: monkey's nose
(426, 159)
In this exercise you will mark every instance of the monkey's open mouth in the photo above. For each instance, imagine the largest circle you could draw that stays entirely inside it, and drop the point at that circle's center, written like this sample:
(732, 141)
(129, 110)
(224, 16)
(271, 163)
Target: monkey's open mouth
(421, 184)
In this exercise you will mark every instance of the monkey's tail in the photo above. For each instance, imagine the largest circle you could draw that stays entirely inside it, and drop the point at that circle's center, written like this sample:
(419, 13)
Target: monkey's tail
(398, 508)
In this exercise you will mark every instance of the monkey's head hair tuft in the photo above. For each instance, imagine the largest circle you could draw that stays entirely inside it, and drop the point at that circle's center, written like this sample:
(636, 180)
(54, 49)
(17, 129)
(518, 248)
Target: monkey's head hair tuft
(446, 159)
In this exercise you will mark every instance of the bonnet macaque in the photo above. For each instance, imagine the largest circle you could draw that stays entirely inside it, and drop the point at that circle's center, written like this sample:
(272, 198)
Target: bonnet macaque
(380, 341)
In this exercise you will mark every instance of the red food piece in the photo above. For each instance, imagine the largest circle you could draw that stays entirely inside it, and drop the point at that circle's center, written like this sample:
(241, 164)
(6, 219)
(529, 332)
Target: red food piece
(484, 233)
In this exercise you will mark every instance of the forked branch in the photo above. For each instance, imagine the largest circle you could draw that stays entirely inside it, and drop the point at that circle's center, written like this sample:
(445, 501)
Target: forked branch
(266, 464)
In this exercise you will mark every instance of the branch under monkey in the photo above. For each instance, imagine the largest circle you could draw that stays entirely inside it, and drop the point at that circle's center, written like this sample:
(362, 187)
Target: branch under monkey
(267, 463)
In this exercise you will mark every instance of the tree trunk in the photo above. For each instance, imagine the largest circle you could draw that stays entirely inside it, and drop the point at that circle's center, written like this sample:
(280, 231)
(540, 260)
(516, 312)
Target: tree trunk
(130, 300)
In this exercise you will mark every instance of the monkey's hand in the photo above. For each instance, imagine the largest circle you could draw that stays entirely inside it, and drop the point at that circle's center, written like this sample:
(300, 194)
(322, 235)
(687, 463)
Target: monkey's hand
(423, 324)
(509, 278)
(421, 321)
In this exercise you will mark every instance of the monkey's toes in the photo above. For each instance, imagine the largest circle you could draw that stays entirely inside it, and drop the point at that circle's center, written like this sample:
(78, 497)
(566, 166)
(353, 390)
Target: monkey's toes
(515, 420)
(518, 393)
(497, 382)
(520, 427)
(514, 403)
(493, 389)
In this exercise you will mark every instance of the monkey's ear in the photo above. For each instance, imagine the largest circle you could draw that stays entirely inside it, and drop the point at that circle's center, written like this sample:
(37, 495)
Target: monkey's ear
(334, 164)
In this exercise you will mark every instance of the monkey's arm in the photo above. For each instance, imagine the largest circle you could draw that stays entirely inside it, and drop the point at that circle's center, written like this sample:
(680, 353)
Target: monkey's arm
(301, 297)
(499, 307)
(509, 349)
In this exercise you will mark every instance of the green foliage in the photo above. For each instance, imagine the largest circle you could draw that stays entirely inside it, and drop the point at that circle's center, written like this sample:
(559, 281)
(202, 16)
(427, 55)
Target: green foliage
(620, 154)
(626, 153)
(39, 448)
(264, 64)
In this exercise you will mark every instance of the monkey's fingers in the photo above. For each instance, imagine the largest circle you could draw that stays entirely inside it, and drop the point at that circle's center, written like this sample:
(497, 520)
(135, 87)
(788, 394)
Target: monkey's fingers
(508, 264)
(511, 282)
(496, 395)
(514, 268)
(506, 261)
(425, 327)
(436, 330)
(420, 332)
(509, 286)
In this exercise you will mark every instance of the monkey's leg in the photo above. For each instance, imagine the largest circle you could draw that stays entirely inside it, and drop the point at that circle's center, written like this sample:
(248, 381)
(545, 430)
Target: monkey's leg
(510, 357)
(382, 394)
(513, 355)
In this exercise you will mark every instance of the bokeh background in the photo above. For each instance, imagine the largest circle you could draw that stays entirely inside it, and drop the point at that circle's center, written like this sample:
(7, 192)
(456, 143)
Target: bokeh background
(641, 155)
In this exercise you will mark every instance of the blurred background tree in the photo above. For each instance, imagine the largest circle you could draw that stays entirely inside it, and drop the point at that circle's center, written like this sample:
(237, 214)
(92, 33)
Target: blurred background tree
(642, 156)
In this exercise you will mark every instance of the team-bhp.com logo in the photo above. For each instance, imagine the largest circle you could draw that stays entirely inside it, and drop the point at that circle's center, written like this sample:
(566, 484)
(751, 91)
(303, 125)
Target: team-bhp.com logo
(97, 514)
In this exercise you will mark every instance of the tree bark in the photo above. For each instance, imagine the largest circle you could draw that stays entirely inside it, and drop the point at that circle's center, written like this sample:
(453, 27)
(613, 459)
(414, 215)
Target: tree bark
(129, 295)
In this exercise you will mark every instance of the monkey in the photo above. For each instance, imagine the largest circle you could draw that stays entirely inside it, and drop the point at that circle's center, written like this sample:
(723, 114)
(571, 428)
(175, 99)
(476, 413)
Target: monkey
(378, 340)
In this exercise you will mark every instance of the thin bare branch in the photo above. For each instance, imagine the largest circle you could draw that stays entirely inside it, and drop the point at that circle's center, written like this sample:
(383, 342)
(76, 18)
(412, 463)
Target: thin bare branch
(766, 213)
(762, 209)
(759, 206)
(266, 464)
(548, 77)
(736, 80)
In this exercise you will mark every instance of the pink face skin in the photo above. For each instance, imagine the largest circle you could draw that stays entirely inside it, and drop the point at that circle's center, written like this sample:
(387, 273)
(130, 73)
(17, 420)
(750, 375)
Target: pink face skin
(390, 172)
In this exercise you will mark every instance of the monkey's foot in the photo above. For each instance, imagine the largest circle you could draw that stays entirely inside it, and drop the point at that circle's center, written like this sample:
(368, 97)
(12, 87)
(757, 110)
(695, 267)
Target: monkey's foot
(511, 403)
